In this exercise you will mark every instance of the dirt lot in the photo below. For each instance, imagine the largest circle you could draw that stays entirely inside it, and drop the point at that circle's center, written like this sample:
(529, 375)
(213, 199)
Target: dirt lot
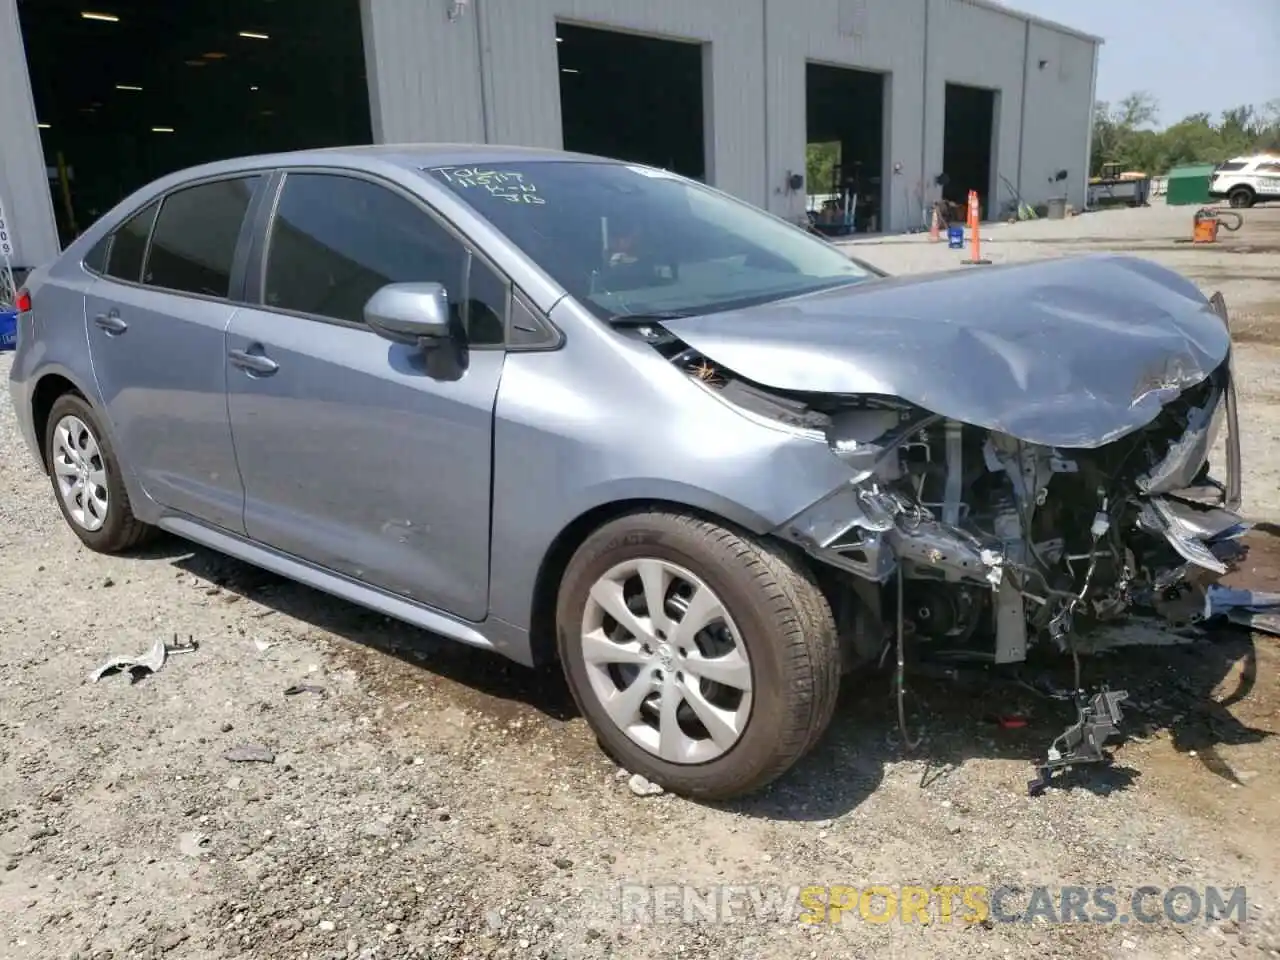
(434, 802)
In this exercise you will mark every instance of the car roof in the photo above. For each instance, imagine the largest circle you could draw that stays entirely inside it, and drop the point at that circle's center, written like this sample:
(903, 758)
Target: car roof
(408, 156)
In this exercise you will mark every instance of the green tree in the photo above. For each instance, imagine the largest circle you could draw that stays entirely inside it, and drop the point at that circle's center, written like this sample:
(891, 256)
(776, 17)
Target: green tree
(1125, 133)
(820, 165)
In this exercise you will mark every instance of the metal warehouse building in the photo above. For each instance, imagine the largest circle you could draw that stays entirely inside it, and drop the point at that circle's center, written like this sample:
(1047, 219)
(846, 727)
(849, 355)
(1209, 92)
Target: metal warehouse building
(99, 96)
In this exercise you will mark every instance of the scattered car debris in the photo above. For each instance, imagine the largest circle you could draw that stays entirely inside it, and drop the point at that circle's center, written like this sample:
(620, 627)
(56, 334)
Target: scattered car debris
(250, 753)
(192, 844)
(642, 787)
(298, 688)
(1246, 608)
(1098, 718)
(144, 664)
(1007, 722)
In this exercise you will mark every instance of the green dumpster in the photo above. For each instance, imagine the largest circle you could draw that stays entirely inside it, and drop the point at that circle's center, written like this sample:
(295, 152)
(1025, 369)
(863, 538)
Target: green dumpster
(1189, 184)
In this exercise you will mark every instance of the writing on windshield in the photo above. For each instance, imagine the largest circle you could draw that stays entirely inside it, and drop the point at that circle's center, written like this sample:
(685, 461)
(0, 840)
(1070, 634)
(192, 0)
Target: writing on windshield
(630, 240)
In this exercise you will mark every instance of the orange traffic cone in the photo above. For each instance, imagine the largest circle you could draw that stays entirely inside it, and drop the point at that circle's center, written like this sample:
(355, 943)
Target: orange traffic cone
(975, 221)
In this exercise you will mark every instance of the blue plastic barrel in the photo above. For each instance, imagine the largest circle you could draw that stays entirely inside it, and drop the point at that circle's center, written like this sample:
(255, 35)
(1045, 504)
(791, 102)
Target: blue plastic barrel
(8, 329)
(955, 238)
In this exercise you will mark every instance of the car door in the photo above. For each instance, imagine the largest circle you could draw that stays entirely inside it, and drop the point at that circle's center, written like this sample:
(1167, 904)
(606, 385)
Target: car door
(1268, 179)
(356, 454)
(157, 321)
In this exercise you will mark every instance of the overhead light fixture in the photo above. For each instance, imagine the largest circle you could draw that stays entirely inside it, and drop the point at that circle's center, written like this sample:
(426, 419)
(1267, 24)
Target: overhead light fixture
(43, 126)
(569, 70)
(215, 55)
(127, 86)
(104, 17)
(253, 88)
(559, 39)
(251, 35)
(162, 129)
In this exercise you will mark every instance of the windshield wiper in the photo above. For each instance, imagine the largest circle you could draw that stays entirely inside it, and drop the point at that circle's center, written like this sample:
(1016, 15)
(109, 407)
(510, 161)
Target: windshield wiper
(640, 319)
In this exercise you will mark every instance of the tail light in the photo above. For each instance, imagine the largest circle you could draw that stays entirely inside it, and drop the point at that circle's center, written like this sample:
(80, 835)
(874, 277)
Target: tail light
(23, 301)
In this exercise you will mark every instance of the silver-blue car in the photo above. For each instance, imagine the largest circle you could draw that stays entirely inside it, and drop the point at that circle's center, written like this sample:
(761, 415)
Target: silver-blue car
(558, 406)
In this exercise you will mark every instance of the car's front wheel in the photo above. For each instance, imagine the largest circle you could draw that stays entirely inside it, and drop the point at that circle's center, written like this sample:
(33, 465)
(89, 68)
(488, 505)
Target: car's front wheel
(703, 659)
(86, 478)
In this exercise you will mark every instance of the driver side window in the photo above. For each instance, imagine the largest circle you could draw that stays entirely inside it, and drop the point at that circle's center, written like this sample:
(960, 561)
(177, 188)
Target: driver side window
(336, 240)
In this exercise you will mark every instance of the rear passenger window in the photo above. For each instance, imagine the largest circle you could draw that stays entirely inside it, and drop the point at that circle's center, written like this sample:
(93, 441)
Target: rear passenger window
(1231, 166)
(129, 245)
(194, 243)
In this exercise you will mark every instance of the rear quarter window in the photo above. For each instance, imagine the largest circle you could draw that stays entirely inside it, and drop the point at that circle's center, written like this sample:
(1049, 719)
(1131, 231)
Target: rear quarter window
(1231, 167)
(128, 245)
(96, 259)
(194, 243)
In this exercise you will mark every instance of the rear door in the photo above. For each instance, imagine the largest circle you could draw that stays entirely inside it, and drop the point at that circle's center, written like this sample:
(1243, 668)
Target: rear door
(1268, 180)
(355, 454)
(157, 322)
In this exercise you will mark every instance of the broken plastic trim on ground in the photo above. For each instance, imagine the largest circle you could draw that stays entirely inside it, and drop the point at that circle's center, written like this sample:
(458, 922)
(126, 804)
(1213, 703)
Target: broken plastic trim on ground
(145, 664)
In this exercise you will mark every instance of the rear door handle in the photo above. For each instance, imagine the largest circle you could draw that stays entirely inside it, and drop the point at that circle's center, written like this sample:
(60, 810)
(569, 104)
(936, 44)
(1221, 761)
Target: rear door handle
(255, 364)
(111, 323)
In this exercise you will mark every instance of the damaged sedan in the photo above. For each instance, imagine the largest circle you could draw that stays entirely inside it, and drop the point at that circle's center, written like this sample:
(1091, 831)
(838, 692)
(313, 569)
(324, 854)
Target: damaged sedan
(578, 410)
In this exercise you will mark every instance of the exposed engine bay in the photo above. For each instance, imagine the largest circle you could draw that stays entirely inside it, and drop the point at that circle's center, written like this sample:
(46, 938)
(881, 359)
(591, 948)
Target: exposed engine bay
(960, 541)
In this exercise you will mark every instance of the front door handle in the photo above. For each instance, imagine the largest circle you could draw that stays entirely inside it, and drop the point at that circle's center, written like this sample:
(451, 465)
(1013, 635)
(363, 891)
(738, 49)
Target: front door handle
(255, 364)
(111, 323)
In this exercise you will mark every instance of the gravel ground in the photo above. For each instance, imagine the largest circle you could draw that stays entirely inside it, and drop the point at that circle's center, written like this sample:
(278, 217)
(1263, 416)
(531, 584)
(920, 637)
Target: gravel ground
(429, 801)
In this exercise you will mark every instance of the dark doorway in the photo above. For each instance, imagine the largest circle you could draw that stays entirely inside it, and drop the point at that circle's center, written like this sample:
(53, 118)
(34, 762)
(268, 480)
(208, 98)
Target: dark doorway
(129, 90)
(968, 142)
(845, 125)
(633, 98)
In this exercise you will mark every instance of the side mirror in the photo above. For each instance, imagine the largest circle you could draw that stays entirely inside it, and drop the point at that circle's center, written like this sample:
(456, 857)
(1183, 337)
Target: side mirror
(409, 313)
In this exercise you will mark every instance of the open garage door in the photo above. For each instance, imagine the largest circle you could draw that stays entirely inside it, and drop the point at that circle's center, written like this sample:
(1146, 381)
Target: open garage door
(968, 145)
(128, 90)
(633, 98)
(845, 145)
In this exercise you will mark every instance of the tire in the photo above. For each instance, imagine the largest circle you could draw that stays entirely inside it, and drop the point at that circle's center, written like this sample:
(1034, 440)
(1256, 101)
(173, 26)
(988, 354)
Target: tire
(774, 613)
(1241, 197)
(109, 525)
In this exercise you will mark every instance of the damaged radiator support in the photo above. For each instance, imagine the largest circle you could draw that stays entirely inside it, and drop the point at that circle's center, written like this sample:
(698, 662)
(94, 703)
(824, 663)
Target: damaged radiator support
(953, 511)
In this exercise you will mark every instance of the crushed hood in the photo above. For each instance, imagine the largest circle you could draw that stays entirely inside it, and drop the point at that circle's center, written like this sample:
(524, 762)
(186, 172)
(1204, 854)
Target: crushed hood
(1074, 352)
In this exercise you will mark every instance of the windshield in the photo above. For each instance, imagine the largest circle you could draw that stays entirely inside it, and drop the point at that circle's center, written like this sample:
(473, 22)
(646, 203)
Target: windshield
(633, 241)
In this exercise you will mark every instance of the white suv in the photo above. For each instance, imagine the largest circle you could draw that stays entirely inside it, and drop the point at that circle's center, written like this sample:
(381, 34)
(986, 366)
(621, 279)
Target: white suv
(1247, 180)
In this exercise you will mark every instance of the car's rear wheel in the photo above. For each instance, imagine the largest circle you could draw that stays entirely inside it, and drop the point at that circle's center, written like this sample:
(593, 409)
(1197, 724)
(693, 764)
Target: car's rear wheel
(1241, 197)
(86, 478)
(703, 659)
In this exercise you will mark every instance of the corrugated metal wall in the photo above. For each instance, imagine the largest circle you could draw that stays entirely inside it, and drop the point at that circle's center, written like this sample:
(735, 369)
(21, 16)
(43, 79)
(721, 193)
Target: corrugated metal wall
(24, 186)
(1059, 115)
(424, 72)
